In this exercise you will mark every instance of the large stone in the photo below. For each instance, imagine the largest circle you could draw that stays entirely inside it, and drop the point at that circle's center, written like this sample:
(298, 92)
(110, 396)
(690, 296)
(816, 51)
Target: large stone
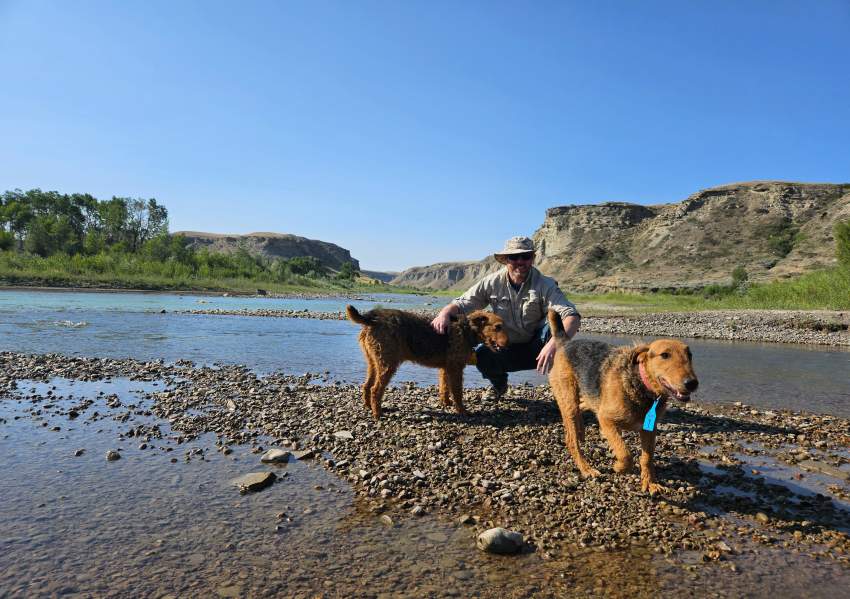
(501, 541)
(275, 455)
(306, 454)
(254, 481)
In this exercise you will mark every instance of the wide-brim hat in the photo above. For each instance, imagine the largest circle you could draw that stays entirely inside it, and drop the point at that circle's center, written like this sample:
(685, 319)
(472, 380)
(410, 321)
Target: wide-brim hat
(514, 245)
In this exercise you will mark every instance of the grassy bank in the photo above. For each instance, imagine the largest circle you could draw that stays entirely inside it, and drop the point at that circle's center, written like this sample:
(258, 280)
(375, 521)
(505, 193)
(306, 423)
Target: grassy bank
(133, 271)
(822, 290)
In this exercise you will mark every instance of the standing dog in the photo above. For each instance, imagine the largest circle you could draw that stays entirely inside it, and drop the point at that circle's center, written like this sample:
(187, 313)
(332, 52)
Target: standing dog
(390, 337)
(626, 387)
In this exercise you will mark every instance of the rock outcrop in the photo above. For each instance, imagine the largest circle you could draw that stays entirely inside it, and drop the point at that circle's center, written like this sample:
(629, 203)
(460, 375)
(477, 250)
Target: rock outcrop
(272, 245)
(771, 229)
(446, 275)
(384, 277)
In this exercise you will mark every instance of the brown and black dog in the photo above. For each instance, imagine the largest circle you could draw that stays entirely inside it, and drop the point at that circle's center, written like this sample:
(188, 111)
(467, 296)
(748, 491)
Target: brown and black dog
(621, 385)
(390, 337)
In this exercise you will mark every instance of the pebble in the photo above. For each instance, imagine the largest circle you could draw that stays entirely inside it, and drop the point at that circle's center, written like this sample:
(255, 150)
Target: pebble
(275, 455)
(501, 541)
(254, 481)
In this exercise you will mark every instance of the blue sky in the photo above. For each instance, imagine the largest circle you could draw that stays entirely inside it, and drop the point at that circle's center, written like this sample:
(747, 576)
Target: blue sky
(417, 132)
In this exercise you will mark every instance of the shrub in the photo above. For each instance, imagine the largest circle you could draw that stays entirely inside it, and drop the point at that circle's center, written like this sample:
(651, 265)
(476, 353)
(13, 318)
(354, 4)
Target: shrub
(842, 243)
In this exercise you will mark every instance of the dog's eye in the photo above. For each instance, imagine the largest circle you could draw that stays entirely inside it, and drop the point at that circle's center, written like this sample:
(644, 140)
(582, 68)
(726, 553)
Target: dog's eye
(665, 355)
(497, 327)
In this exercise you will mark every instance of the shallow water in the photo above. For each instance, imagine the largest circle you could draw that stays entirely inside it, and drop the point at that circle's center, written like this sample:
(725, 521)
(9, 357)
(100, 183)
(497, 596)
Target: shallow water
(807, 378)
(157, 524)
(146, 526)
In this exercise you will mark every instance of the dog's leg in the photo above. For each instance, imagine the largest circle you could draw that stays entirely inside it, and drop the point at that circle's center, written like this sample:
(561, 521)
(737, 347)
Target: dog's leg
(454, 376)
(385, 372)
(571, 415)
(371, 377)
(445, 388)
(618, 446)
(647, 468)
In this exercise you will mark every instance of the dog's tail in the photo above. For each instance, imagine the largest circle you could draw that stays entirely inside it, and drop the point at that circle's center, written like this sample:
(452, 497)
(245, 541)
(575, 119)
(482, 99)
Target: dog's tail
(355, 316)
(556, 325)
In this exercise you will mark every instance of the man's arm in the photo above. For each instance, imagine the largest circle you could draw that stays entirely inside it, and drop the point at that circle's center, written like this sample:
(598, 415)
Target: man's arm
(441, 322)
(473, 299)
(547, 355)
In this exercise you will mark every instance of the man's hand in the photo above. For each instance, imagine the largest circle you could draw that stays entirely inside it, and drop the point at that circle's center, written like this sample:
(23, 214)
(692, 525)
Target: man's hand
(443, 319)
(546, 357)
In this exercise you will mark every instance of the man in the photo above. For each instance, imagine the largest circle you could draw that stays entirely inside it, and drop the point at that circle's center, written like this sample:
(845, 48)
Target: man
(522, 296)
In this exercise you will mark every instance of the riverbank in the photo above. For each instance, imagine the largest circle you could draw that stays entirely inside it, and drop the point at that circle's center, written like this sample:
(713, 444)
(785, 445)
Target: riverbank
(775, 326)
(746, 486)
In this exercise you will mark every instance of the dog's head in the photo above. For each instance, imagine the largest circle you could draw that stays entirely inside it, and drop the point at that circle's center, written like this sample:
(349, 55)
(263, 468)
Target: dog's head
(666, 368)
(489, 329)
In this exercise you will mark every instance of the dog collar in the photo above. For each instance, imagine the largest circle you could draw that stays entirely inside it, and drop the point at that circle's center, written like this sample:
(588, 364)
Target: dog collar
(643, 378)
(651, 414)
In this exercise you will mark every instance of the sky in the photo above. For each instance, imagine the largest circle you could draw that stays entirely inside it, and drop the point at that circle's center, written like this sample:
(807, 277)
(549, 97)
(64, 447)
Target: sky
(415, 132)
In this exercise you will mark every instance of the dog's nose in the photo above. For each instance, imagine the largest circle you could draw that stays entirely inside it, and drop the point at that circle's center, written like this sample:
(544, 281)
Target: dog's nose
(691, 385)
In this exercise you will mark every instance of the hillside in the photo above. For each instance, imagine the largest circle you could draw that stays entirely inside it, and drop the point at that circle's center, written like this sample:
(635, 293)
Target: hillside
(773, 229)
(272, 245)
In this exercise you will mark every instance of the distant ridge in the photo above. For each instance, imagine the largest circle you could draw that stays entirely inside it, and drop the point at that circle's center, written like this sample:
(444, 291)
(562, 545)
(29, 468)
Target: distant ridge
(272, 245)
(773, 229)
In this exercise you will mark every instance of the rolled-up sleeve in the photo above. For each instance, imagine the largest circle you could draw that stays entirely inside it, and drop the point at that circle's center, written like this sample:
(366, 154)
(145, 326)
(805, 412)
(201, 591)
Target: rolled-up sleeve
(476, 298)
(556, 300)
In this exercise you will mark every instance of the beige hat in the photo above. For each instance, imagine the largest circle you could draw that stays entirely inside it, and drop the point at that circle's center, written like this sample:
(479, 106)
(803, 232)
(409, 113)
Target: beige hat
(514, 245)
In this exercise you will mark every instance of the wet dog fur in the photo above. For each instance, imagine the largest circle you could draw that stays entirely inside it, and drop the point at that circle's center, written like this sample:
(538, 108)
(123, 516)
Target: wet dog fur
(390, 337)
(591, 375)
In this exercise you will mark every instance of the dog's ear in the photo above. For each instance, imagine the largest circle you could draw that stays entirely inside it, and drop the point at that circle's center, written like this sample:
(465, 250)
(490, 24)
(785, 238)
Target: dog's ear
(639, 354)
(478, 319)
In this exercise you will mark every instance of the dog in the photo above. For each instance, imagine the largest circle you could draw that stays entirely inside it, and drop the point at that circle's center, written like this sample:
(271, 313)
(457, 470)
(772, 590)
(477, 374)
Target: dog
(627, 388)
(390, 337)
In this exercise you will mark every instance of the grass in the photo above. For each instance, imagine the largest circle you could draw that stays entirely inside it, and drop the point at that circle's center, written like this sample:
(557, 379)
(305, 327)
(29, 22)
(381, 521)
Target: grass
(821, 290)
(128, 271)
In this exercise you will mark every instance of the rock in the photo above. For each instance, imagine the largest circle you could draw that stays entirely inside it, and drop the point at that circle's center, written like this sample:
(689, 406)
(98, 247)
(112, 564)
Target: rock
(418, 510)
(387, 521)
(113, 455)
(762, 517)
(346, 435)
(275, 455)
(254, 481)
(306, 454)
(500, 541)
(79, 452)
(466, 520)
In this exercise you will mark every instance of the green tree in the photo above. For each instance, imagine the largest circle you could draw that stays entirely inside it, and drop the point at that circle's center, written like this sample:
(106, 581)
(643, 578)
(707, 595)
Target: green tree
(347, 272)
(303, 265)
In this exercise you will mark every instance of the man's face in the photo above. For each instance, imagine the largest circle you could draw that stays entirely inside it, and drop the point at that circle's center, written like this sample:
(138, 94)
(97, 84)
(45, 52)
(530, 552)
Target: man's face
(519, 265)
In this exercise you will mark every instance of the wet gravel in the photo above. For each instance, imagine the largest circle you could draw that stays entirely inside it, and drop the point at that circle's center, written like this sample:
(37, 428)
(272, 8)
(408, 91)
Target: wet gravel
(778, 326)
(504, 464)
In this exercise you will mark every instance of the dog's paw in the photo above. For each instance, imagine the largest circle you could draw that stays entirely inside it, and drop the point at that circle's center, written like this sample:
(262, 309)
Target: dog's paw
(622, 466)
(653, 487)
(590, 473)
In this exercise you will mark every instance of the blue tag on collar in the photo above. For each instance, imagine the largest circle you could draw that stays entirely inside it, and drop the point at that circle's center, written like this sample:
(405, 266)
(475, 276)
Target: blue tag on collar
(649, 419)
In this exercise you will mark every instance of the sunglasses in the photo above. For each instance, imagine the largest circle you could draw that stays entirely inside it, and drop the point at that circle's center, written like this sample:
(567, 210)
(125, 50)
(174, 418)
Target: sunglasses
(520, 257)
